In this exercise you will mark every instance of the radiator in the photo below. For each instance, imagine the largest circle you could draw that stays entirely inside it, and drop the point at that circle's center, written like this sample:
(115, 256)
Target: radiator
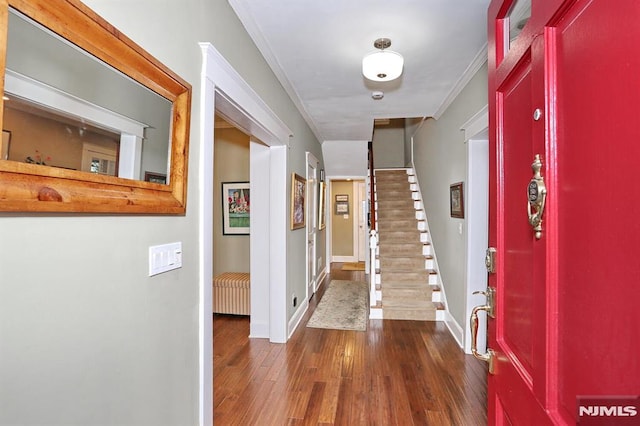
(232, 293)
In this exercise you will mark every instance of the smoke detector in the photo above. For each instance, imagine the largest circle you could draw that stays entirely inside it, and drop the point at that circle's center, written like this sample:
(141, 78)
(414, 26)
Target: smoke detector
(377, 95)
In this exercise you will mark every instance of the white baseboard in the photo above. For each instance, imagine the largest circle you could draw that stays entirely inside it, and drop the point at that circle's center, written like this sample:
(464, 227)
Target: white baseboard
(321, 277)
(297, 317)
(454, 328)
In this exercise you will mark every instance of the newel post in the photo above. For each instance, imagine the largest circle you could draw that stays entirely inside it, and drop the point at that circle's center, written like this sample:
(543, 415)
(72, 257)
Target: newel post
(373, 245)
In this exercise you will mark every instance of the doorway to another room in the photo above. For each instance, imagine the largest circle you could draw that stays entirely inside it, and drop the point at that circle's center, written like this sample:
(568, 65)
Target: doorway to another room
(347, 210)
(226, 93)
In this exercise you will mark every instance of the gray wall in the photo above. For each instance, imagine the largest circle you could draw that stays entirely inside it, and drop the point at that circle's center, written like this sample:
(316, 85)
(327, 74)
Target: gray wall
(440, 160)
(388, 147)
(410, 127)
(86, 336)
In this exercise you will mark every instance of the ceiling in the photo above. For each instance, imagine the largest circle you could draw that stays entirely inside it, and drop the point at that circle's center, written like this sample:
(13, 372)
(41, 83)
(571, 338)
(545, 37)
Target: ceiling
(316, 48)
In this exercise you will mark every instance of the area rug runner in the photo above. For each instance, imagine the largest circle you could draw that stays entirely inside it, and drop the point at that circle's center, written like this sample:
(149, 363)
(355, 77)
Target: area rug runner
(353, 266)
(344, 306)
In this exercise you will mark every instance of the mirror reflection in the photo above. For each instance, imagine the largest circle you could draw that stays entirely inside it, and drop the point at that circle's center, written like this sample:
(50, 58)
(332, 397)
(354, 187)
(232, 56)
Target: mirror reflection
(64, 108)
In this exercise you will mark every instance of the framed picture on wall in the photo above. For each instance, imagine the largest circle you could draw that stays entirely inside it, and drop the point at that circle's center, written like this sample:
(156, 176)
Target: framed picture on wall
(342, 207)
(456, 200)
(236, 208)
(322, 206)
(298, 194)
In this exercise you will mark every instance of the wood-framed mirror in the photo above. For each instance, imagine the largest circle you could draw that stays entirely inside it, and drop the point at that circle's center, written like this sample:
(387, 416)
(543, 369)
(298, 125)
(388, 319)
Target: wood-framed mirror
(115, 121)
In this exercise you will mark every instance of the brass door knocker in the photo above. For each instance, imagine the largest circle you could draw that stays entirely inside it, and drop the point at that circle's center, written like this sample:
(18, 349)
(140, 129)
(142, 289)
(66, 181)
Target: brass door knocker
(537, 196)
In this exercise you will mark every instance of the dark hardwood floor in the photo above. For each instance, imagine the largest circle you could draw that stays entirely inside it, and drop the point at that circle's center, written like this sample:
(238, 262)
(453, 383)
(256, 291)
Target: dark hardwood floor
(395, 373)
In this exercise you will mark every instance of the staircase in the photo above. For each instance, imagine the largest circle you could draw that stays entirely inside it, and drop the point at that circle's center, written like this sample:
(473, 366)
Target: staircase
(408, 281)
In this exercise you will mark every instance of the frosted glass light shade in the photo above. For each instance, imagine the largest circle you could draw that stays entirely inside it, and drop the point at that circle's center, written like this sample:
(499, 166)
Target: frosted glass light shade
(384, 65)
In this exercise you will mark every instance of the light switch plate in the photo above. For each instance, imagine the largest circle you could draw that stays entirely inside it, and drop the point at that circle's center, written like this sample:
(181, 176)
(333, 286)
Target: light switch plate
(164, 258)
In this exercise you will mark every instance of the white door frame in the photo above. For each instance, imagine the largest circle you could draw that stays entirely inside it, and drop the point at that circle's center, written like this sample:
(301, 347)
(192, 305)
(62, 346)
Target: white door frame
(311, 228)
(331, 218)
(477, 221)
(360, 220)
(224, 90)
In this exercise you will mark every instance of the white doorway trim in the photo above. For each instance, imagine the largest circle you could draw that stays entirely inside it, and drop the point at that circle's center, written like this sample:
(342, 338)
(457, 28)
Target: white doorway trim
(360, 221)
(477, 207)
(225, 91)
(312, 226)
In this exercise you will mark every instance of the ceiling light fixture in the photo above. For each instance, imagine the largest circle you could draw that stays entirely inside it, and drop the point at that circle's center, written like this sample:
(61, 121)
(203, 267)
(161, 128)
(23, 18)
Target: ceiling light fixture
(385, 65)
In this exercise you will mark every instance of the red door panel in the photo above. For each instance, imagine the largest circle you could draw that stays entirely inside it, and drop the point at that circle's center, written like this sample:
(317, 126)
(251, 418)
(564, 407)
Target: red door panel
(516, 330)
(515, 320)
(567, 322)
(596, 49)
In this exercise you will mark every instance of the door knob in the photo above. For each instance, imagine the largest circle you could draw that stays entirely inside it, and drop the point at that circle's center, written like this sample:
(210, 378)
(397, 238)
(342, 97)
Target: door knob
(489, 308)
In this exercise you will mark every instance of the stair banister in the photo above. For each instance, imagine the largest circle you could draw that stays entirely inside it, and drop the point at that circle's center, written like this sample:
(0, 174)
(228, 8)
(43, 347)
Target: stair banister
(372, 192)
(373, 234)
(373, 245)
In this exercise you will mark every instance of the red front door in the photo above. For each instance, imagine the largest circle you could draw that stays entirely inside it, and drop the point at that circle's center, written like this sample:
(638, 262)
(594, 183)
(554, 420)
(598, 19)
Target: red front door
(566, 332)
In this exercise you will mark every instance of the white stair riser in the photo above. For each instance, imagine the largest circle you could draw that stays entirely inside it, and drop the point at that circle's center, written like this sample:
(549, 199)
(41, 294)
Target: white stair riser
(429, 264)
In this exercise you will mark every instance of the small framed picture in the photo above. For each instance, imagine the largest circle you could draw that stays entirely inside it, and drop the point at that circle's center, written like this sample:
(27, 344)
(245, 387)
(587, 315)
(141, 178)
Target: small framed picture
(342, 207)
(322, 208)
(155, 177)
(456, 200)
(236, 208)
(342, 198)
(298, 195)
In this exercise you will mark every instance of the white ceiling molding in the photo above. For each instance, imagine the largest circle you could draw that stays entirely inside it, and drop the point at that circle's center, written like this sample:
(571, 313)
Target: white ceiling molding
(267, 52)
(477, 63)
